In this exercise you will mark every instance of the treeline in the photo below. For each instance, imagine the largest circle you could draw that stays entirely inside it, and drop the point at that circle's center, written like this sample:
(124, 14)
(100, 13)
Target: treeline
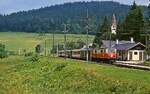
(52, 18)
(135, 25)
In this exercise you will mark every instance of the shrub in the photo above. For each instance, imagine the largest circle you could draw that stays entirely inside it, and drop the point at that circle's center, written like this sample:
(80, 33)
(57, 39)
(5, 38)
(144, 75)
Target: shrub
(34, 58)
(3, 53)
(29, 54)
(38, 49)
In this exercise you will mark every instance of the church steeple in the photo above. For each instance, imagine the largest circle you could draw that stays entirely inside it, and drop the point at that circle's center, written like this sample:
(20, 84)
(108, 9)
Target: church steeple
(114, 24)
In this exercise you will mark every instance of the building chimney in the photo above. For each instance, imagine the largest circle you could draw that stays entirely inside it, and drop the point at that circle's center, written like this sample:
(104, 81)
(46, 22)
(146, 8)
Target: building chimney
(132, 40)
(117, 41)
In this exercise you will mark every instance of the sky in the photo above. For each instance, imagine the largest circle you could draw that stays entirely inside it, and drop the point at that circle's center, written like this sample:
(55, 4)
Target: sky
(10, 6)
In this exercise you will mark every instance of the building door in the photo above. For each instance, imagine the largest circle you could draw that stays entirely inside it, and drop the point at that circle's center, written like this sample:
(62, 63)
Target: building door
(130, 55)
(141, 56)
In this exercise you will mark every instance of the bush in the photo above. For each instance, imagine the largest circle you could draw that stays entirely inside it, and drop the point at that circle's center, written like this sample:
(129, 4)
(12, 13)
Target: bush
(3, 53)
(34, 58)
(38, 49)
(29, 54)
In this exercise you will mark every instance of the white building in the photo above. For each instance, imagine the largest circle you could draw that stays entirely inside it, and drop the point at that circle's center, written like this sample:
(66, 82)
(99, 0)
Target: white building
(128, 51)
(114, 25)
(135, 52)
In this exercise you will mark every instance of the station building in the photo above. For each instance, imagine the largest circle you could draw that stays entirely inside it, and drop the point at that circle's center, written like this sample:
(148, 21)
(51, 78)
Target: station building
(127, 51)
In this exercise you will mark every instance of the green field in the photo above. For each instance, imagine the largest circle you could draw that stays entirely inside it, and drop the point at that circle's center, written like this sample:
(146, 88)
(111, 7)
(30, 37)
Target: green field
(19, 75)
(27, 41)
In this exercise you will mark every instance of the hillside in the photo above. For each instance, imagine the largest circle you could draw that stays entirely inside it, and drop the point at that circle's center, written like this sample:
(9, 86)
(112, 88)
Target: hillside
(52, 18)
(57, 76)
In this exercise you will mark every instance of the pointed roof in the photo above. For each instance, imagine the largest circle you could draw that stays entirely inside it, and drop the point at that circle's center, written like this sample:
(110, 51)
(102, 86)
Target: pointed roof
(128, 46)
(114, 22)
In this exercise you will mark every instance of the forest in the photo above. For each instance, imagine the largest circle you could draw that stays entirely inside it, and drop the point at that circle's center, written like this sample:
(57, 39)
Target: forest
(49, 19)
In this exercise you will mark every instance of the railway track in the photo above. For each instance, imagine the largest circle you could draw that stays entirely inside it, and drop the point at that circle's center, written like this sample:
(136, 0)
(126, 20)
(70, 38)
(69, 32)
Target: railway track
(141, 67)
(118, 64)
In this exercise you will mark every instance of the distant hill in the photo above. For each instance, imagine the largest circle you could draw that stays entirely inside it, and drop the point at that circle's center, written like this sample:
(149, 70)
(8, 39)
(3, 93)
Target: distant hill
(52, 18)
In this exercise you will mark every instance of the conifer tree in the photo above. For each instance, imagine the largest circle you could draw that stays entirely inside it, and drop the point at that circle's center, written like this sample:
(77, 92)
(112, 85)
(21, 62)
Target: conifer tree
(133, 26)
(149, 13)
(119, 30)
(102, 32)
(148, 29)
(134, 6)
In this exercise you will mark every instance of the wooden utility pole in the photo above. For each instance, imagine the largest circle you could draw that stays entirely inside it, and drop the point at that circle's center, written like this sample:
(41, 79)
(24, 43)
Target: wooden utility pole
(57, 49)
(65, 39)
(87, 36)
(147, 43)
(53, 42)
(45, 48)
(110, 43)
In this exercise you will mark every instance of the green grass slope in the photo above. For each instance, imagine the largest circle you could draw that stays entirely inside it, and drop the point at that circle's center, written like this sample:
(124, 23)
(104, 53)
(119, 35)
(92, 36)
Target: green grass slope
(57, 76)
(27, 41)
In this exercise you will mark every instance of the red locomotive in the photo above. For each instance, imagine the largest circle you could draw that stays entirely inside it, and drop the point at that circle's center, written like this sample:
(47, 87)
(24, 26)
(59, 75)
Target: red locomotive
(104, 57)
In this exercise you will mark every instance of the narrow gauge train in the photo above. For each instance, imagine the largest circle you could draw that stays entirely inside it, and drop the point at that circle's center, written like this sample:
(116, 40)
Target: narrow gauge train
(94, 55)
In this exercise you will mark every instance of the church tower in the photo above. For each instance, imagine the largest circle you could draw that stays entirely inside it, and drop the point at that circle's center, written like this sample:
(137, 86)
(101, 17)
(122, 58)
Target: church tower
(114, 25)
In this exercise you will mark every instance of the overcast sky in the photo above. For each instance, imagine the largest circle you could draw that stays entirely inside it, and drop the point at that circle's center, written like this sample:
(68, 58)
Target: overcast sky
(9, 6)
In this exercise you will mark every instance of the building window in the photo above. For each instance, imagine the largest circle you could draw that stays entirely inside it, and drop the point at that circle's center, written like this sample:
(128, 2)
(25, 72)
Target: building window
(130, 55)
(135, 53)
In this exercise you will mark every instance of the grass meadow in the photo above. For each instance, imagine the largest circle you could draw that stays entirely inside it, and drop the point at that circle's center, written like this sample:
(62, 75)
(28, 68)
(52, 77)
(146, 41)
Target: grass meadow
(27, 41)
(56, 76)
(52, 75)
